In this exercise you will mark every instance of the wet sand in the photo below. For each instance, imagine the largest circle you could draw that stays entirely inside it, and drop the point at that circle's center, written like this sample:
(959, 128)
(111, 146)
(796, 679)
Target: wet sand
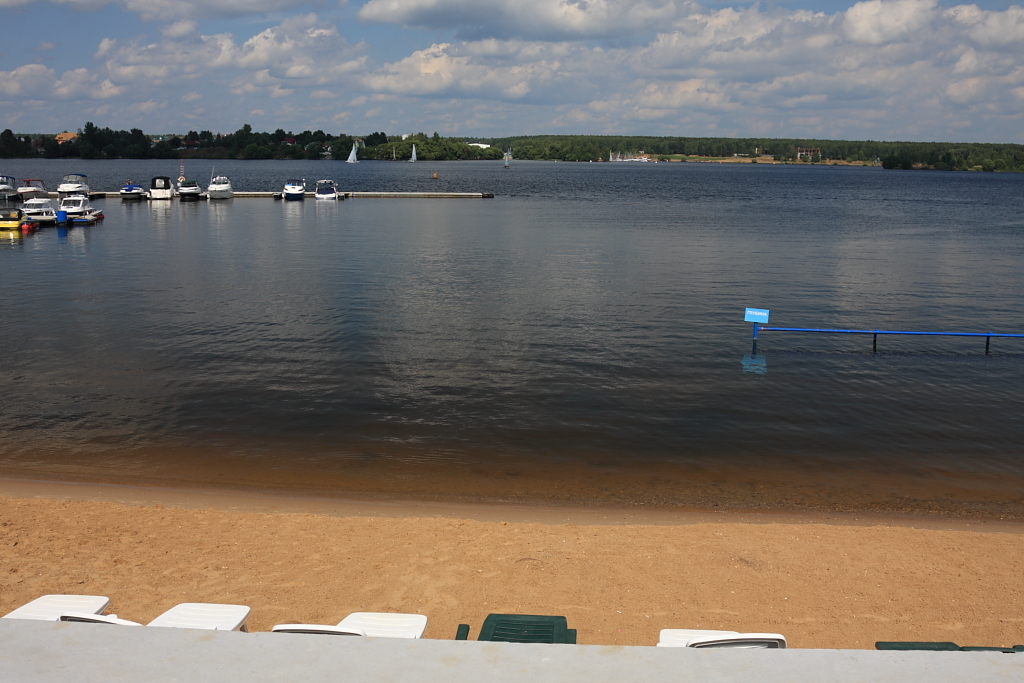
(618, 575)
(582, 481)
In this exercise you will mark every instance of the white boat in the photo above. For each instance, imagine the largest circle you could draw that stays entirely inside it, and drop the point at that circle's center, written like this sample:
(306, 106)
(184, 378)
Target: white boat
(8, 187)
(32, 188)
(187, 189)
(326, 189)
(79, 210)
(352, 155)
(294, 189)
(132, 190)
(413, 154)
(161, 187)
(39, 210)
(219, 188)
(73, 183)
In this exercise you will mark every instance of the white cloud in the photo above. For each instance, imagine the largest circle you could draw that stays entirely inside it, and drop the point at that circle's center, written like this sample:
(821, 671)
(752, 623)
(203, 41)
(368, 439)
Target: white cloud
(529, 19)
(180, 29)
(876, 21)
(26, 80)
(191, 97)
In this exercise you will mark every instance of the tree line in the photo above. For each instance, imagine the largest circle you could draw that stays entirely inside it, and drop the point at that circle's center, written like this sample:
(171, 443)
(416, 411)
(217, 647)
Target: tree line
(934, 155)
(94, 142)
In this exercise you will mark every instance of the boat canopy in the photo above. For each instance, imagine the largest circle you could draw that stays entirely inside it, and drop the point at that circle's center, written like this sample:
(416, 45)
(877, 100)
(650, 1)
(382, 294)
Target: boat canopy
(160, 182)
(75, 178)
(10, 214)
(7, 180)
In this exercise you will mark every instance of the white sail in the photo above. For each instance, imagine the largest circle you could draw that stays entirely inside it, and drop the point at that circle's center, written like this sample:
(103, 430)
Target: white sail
(413, 154)
(352, 155)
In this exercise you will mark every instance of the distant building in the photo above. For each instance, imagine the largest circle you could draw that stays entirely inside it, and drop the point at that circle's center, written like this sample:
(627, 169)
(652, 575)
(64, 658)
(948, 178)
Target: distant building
(478, 144)
(66, 137)
(808, 152)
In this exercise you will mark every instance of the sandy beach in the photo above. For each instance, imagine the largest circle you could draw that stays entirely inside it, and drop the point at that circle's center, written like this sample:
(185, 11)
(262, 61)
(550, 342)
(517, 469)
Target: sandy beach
(841, 584)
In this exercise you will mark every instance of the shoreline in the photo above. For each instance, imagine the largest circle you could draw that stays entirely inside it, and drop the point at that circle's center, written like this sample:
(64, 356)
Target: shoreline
(826, 583)
(276, 502)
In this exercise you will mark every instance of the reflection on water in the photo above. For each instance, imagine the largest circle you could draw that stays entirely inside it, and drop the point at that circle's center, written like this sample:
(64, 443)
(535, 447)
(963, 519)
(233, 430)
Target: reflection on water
(292, 211)
(754, 363)
(577, 341)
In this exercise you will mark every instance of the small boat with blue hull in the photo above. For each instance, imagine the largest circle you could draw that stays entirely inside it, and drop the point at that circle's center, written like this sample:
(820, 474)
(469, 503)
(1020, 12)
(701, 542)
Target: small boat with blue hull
(131, 190)
(294, 189)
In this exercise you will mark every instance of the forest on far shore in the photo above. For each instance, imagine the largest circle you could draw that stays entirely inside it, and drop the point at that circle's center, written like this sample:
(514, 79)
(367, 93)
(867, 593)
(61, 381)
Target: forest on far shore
(94, 142)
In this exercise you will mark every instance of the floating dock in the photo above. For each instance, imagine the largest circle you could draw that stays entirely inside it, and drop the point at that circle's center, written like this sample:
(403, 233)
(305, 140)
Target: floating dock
(341, 195)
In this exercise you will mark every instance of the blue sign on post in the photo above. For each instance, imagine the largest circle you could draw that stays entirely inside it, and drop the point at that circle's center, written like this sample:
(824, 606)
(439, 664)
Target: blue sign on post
(756, 315)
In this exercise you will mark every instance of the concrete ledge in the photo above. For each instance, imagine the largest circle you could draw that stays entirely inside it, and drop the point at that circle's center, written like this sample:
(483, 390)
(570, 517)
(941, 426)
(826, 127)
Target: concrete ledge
(37, 652)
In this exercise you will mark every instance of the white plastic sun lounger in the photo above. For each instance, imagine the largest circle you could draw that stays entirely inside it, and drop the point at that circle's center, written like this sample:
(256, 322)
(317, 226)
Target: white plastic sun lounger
(317, 628)
(50, 607)
(684, 637)
(86, 618)
(204, 615)
(384, 625)
(373, 624)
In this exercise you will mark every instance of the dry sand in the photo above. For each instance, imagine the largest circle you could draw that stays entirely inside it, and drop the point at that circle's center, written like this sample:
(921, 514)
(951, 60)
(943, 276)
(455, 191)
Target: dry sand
(821, 585)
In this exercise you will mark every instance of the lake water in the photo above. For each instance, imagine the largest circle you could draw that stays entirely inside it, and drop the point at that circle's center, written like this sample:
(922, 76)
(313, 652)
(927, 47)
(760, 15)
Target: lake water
(578, 339)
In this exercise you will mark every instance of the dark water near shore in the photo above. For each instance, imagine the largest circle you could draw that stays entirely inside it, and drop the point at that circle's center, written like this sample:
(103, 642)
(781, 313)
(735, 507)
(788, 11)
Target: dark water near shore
(577, 339)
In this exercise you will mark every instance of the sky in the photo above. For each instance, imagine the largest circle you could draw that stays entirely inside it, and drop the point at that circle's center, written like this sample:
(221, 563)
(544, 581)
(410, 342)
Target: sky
(876, 69)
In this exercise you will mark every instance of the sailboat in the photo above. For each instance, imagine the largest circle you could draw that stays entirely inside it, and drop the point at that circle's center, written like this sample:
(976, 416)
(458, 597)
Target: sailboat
(352, 155)
(413, 154)
(393, 156)
(508, 157)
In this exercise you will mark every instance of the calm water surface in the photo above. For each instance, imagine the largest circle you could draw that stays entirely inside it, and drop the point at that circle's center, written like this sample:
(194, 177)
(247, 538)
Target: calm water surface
(577, 339)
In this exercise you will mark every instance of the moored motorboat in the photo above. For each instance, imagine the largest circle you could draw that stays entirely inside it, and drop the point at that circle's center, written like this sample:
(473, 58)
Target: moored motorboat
(73, 183)
(294, 189)
(219, 188)
(32, 188)
(77, 206)
(39, 210)
(11, 218)
(132, 190)
(8, 188)
(161, 187)
(326, 189)
(188, 190)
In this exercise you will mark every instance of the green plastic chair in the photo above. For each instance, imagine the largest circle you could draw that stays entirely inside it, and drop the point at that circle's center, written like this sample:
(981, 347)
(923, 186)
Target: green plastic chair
(941, 646)
(522, 628)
